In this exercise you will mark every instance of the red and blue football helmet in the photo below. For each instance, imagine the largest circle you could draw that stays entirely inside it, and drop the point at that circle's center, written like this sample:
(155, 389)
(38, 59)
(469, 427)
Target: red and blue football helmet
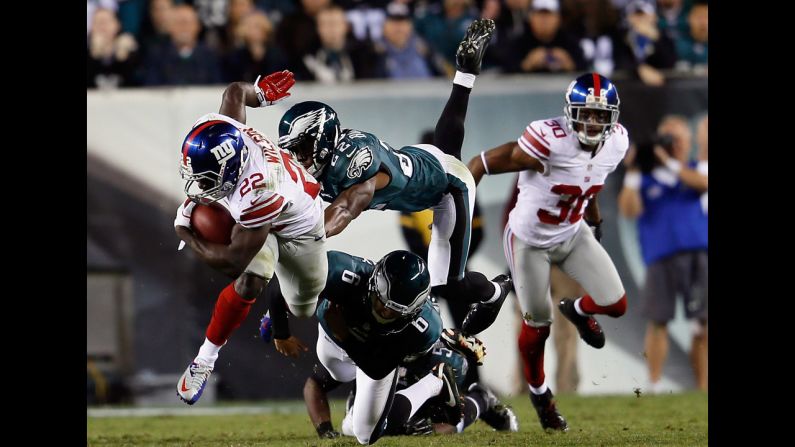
(212, 159)
(597, 93)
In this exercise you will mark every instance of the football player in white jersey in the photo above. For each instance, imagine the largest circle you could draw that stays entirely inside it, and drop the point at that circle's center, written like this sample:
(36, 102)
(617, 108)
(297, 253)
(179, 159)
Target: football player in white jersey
(563, 163)
(275, 204)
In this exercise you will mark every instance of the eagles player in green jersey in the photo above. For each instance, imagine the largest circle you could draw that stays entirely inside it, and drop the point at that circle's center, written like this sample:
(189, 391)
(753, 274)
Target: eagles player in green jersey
(433, 416)
(359, 171)
(372, 317)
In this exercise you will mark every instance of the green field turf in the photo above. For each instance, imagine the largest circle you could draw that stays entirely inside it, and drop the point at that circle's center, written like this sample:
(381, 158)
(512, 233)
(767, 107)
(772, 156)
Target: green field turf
(663, 420)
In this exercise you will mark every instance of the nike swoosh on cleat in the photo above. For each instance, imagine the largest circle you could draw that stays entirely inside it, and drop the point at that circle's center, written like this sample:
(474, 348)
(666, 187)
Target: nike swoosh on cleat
(183, 385)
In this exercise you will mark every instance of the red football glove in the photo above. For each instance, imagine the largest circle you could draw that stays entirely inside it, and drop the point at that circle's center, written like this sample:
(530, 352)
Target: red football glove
(273, 88)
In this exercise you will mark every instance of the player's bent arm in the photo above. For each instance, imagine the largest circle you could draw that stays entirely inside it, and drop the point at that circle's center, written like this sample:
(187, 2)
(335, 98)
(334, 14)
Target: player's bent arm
(592, 215)
(348, 205)
(508, 157)
(230, 259)
(236, 97)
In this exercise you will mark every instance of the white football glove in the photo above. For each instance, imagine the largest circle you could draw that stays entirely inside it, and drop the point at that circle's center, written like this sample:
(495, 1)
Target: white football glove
(183, 218)
(183, 213)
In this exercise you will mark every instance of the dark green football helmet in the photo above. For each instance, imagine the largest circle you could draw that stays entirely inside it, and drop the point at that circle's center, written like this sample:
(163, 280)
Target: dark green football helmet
(310, 130)
(401, 282)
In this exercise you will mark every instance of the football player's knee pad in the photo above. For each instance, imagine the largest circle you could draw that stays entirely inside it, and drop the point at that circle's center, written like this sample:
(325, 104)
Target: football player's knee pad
(302, 310)
(324, 380)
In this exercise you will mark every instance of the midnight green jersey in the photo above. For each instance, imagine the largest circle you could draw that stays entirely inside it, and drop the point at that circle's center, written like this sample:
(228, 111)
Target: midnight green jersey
(376, 348)
(417, 179)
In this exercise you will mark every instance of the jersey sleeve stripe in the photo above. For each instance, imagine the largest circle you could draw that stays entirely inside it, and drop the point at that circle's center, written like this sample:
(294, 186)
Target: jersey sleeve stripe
(262, 201)
(271, 209)
(531, 140)
(261, 221)
(524, 144)
(540, 137)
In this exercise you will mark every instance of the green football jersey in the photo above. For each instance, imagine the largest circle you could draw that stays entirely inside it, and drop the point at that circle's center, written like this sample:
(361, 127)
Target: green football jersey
(417, 178)
(375, 348)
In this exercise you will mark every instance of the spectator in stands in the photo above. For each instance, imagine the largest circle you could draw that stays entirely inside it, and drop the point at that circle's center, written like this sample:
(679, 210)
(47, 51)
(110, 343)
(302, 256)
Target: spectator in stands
(404, 53)
(254, 53)
(297, 35)
(594, 23)
(511, 22)
(544, 46)
(702, 131)
(693, 48)
(183, 60)
(673, 17)
(112, 56)
(341, 58)
(276, 9)
(444, 29)
(154, 31)
(673, 238)
(366, 17)
(643, 49)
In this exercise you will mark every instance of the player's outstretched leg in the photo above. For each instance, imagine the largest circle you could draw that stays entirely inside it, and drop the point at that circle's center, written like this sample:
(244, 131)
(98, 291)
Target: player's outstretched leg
(449, 132)
(230, 310)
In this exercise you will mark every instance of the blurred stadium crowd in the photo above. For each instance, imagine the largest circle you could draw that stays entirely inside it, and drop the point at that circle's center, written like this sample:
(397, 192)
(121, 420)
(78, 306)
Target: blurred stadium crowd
(200, 42)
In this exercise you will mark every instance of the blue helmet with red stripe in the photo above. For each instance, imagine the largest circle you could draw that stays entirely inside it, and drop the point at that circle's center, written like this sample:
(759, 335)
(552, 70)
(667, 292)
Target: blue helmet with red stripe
(212, 159)
(591, 108)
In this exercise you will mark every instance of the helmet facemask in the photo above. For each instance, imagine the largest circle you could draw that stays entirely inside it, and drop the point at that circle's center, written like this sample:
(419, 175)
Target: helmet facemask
(312, 145)
(208, 187)
(591, 108)
(308, 153)
(583, 118)
(380, 291)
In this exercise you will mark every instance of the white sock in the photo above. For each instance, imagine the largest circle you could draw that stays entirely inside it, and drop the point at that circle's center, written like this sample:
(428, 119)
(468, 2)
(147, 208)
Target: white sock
(464, 79)
(579, 309)
(540, 390)
(208, 353)
(497, 291)
(347, 425)
(424, 389)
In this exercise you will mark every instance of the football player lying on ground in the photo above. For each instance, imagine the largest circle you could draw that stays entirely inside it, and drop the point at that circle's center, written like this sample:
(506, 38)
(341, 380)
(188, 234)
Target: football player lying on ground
(452, 348)
(371, 318)
(434, 416)
(359, 171)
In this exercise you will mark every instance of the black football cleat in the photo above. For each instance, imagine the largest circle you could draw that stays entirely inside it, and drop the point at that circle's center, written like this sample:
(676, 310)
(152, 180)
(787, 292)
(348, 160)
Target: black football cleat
(590, 330)
(453, 403)
(498, 416)
(470, 51)
(547, 412)
(481, 315)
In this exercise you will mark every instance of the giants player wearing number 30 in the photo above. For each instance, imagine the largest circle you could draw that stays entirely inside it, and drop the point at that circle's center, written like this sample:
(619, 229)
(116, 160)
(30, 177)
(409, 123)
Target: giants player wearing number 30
(563, 163)
(278, 215)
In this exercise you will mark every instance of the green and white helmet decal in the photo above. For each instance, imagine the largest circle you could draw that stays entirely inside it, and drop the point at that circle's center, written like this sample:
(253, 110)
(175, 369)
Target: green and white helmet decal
(310, 130)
